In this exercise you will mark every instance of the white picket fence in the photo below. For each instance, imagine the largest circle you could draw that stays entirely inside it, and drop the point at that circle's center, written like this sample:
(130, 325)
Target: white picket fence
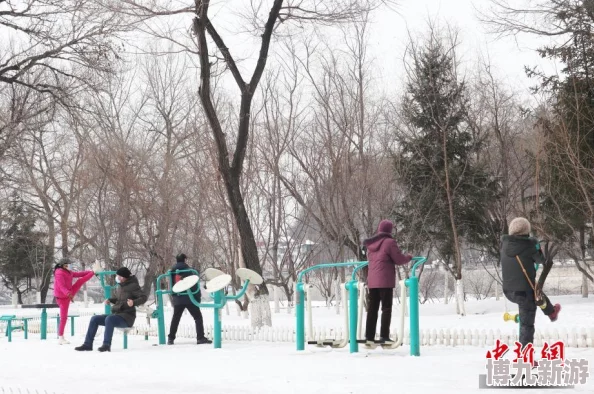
(576, 337)
(16, 390)
(581, 337)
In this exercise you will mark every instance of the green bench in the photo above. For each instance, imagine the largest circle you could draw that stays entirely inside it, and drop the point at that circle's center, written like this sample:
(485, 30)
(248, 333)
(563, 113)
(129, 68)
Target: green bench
(24, 325)
(72, 317)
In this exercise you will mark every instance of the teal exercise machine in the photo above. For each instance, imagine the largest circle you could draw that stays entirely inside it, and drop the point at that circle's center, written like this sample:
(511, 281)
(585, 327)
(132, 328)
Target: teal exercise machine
(217, 282)
(352, 315)
(107, 288)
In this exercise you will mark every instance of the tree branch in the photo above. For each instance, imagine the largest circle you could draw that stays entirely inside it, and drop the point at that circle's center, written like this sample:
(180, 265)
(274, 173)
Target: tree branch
(226, 54)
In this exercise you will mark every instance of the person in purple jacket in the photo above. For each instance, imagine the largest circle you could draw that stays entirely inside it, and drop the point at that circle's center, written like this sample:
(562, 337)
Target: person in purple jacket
(383, 255)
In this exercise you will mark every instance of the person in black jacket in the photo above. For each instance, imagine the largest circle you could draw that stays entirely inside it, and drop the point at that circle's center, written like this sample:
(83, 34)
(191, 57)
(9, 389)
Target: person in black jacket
(128, 296)
(182, 301)
(519, 253)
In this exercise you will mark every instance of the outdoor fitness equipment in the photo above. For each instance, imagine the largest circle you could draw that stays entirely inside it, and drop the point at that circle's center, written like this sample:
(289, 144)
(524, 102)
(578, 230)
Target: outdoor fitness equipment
(106, 288)
(217, 281)
(353, 314)
(302, 289)
(413, 284)
(327, 342)
(159, 292)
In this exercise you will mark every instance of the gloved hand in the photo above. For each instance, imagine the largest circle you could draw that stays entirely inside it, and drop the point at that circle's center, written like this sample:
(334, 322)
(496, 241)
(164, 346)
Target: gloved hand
(97, 267)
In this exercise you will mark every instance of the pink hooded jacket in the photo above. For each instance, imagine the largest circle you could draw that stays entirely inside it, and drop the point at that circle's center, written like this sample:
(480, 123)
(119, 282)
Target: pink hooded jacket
(63, 282)
(383, 255)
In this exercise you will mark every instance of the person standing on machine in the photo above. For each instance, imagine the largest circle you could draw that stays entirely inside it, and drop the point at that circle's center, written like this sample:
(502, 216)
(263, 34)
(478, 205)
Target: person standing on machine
(383, 255)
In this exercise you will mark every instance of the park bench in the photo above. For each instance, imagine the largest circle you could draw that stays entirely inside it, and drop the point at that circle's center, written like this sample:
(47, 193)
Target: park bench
(22, 323)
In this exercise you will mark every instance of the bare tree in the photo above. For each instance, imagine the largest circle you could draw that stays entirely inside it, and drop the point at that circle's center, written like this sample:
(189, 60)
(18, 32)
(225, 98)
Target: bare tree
(60, 38)
(337, 153)
(231, 149)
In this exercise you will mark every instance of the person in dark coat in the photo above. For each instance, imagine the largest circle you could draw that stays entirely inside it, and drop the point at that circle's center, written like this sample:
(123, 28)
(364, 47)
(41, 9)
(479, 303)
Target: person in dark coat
(128, 296)
(383, 255)
(182, 302)
(519, 252)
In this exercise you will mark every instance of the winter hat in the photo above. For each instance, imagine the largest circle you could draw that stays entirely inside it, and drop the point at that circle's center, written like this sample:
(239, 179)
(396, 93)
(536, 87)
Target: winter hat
(180, 258)
(519, 226)
(124, 272)
(385, 226)
(64, 261)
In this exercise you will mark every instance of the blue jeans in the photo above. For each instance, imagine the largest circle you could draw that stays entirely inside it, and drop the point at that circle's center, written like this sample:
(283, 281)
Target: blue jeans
(110, 322)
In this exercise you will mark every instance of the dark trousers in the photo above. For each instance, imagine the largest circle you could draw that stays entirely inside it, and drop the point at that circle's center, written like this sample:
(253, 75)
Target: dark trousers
(110, 322)
(178, 311)
(375, 297)
(527, 311)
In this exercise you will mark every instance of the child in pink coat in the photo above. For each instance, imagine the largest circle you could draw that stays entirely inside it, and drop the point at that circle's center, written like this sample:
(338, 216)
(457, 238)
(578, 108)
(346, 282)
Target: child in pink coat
(65, 290)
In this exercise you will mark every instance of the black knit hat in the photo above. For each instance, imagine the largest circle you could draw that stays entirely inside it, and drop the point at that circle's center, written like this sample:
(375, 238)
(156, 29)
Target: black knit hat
(124, 272)
(180, 258)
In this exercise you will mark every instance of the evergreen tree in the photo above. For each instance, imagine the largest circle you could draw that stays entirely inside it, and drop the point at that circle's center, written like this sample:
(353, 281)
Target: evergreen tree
(22, 249)
(448, 188)
(565, 208)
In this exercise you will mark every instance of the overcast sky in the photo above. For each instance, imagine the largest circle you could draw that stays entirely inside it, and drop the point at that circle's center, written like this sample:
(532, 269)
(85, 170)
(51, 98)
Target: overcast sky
(389, 35)
(508, 55)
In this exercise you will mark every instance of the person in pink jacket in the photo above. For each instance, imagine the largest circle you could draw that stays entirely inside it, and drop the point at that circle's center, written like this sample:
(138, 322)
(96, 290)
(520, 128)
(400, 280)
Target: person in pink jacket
(383, 255)
(65, 290)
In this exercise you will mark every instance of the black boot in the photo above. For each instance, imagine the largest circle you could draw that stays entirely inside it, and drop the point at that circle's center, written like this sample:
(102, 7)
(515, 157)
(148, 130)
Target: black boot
(202, 341)
(105, 348)
(83, 348)
(170, 341)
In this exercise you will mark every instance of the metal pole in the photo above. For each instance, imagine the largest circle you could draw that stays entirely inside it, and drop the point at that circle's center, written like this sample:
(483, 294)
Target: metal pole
(413, 285)
(300, 315)
(309, 312)
(160, 317)
(352, 286)
(43, 324)
(107, 297)
(217, 319)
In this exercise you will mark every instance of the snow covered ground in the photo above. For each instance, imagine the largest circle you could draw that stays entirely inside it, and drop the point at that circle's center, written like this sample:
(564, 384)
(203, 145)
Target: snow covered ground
(274, 367)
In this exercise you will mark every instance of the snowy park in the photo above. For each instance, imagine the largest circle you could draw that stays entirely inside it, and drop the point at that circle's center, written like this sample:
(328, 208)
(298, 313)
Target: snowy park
(269, 362)
(296, 196)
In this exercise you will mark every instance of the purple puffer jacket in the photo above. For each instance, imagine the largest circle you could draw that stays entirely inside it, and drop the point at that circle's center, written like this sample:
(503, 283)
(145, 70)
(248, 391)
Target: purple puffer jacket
(383, 255)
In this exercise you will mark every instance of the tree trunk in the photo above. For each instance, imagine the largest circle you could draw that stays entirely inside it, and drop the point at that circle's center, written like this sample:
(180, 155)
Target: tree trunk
(45, 284)
(288, 293)
(338, 299)
(64, 234)
(445, 286)
(455, 240)
(496, 291)
(276, 299)
(583, 250)
(231, 172)
(460, 298)
(149, 278)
